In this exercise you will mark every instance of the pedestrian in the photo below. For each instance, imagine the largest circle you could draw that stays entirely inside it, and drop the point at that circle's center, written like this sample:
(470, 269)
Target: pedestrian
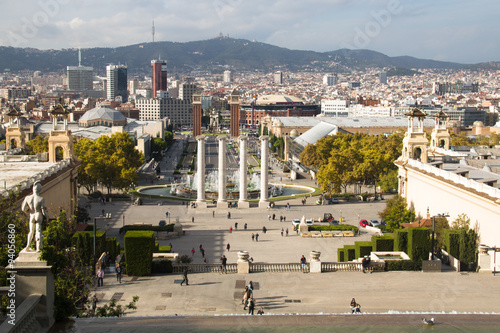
(284, 218)
(100, 277)
(228, 246)
(223, 259)
(251, 305)
(228, 215)
(244, 300)
(192, 251)
(94, 304)
(268, 217)
(118, 274)
(171, 247)
(281, 218)
(230, 229)
(205, 261)
(261, 311)
(250, 287)
(286, 232)
(264, 230)
(282, 232)
(213, 213)
(253, 236)
(201, 246)
(103, 212)
(303, 264)
(245, 226)
(202, 250)
(274, 217)
(256, 237)
(185, 275)
(192, 219)
(235, 225)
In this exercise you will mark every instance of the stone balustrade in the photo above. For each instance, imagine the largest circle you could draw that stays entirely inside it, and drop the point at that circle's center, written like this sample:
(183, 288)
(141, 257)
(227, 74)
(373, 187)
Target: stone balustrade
(204, 268)
(25, 317)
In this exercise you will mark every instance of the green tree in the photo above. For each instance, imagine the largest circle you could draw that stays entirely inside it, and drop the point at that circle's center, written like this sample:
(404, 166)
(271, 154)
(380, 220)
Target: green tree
(469, 238)
(71, 281)
(396, 212)
(38, 145)
(87, 171)
(460, 140)
(389, 182)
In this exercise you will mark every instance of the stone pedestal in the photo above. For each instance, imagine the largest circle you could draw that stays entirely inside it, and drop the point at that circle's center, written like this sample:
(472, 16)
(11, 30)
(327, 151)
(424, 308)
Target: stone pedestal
(243, 263)
(431, 266)
(178, 228)
(34, 277)
(315, 263)
(303, 228)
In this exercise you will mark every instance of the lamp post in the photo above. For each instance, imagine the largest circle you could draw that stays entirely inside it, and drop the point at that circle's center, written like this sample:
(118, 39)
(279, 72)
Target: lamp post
(108, 216)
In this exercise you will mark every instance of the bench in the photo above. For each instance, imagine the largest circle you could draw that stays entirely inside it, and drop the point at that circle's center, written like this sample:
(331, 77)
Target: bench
(348, 233)
(170, 256)
(305, 235)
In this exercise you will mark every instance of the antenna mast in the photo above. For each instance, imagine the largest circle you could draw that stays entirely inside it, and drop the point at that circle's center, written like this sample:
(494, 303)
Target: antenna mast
(153, 30)
(79, 57)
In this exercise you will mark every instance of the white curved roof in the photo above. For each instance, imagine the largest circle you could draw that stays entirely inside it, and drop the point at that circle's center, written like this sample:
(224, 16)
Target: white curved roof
(319, 131)
(101, 112)
(273, 99)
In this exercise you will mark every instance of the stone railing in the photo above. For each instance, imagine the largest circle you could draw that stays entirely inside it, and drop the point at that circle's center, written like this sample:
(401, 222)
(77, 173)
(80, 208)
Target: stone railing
(480, 187)
(275, 268)
(28, 182)
(25, 317)
(204, 268)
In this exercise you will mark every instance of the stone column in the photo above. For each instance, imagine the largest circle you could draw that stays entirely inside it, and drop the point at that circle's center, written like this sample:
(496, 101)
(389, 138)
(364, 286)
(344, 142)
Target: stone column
(315, 263)
(222, 200)
(243, 263)
(243, 202)
(264, 175)
(200, 170)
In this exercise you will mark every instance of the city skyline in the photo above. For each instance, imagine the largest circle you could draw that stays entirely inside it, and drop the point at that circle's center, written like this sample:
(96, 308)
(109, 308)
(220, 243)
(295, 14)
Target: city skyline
(457, 31)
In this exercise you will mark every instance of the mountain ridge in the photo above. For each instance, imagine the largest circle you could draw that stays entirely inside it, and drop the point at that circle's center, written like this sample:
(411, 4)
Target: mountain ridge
(216, 54)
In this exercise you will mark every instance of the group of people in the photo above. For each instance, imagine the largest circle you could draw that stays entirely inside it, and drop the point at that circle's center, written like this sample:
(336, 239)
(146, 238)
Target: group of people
(365, 263)
(248, 300)
(355, 307)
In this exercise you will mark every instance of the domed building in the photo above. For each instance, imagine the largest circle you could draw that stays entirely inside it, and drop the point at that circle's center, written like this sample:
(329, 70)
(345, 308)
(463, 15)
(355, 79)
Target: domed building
(102, 116)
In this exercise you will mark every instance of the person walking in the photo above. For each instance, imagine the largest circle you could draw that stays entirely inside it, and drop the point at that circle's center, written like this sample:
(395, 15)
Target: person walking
(235, 225)
(192, 252)
(286, 232)
(245, 298)
(192, 219)
(250, 288)
(100, 277)
(185, 276)
(228, 246)
(94, 304)
(202, 250)
(118, 274)
(213, 213)
(251, 305)
(245, 226)
(282, 231)
(257, 237)
(253, 236)
(223, 259)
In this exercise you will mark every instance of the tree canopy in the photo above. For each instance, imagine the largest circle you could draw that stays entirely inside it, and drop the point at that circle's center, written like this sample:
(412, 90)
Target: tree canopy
(396, 212)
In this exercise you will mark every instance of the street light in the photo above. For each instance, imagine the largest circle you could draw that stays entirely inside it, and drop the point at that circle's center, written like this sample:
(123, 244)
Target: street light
(107, 216)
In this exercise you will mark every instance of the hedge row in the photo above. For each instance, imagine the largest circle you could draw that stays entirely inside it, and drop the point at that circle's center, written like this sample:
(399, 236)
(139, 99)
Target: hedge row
(403, 265)
(139, 247)
(341, 255)
(161, 266)
(452, 242)
(418, 243)
(168, 227)
(83, 241)
(401, 240)
(383, 243)
(341, 227)
(363, 249)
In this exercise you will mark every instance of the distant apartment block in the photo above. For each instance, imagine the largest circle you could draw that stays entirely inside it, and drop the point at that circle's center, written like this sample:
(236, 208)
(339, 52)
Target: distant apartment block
(186, 91)
(278, 77)
(80, 78)
(329, 80)
(335, 107)
(14, 93)
(383, 77)
(454, 88)
(178, 111)
(227, 77)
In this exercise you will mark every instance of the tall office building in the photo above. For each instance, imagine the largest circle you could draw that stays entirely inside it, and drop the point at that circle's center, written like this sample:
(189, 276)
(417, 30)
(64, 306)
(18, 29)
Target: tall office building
(329, 80)
(133, 86)
(227, 77)
(158, 76)
(80, 78)
(383, 77)
(116, 76)
(186, 91)
(278, 77)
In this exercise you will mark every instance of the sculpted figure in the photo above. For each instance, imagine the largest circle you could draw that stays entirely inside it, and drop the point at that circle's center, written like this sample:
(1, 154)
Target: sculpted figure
(35, 204)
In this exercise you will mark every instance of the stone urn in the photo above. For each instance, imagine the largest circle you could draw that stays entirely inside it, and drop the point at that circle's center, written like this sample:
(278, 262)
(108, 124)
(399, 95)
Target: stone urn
(315, 255)
(483, 249)
(243, 256)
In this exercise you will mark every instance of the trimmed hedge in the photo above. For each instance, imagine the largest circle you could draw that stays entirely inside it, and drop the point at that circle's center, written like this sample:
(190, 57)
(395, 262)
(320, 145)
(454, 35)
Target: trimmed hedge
(341, 255)
(419, 244)
(168, 227)
(401, 240)
(83, 241)
(350, 252)
(383, 243)
(363, 249)
(139, 246)
(161, 266)
(403, 265)
(164, 249)
(452, 242)
(341, 227)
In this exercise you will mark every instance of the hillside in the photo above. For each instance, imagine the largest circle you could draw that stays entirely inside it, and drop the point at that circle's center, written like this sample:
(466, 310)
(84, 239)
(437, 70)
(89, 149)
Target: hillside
(213, 54)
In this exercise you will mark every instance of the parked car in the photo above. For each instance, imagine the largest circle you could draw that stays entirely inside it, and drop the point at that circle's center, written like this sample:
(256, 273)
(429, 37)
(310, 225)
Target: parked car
(375, 223)
(162, 223)
(364, 223)
(296, 222)
(334, 200)
(309, 222)
(334, 222)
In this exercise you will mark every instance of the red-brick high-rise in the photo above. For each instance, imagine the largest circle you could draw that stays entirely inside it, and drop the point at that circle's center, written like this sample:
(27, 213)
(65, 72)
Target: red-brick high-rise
(158, 76)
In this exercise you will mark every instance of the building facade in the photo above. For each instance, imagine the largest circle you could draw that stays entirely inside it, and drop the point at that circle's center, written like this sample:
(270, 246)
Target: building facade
(158, 77)
(80, 78)
(116, 82)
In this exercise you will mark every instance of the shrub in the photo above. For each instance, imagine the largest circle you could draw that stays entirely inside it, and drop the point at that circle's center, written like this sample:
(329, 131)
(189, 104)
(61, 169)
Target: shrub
(341, 227)
(418, 243)
(168, 227)
(341, 255)
(401, 240)
(139, 247)
(403, 265)
(350, 251)
(162, 266)
(363, 249)
(83, 241)
(184, 259)
(383, 243)
(452, 242)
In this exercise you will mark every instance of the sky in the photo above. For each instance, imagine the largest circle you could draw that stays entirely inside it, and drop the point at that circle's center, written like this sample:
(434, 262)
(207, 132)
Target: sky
(449, 30)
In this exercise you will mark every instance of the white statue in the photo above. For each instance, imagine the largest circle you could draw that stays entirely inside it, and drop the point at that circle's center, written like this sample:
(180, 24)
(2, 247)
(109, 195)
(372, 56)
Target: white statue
(36, 206)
